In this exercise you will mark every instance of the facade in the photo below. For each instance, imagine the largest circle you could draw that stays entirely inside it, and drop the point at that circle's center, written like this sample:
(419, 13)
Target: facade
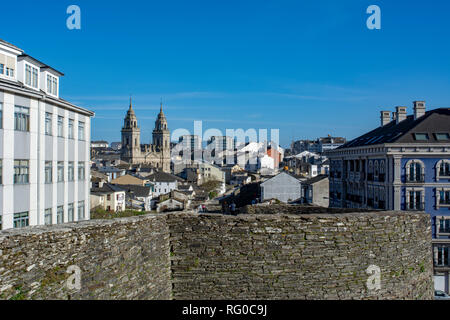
(402, 165)
(108, 197)
(99, 144)
(319, 145)
(218, 148)
(283, 187)
(163, 183)
(156, 154)
(316, 191)
(44, 145)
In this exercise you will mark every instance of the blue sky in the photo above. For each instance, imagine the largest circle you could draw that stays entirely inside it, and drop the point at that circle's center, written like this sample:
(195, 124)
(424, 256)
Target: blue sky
(308, 68)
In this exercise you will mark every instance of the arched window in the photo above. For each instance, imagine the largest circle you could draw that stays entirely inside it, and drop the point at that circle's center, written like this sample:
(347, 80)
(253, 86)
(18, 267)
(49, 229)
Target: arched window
(443, 169)
(382, 173)
(415, 171)
(376, 168)
(370, 171)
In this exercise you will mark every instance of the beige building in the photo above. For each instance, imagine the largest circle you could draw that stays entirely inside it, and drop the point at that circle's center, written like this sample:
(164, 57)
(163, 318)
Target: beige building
(130, 180)
(156, 154)
(108, 197)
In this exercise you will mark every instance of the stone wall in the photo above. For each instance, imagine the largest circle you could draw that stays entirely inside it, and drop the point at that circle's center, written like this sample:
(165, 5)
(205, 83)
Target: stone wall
(191, 256)
(314, 256)
(119, 259)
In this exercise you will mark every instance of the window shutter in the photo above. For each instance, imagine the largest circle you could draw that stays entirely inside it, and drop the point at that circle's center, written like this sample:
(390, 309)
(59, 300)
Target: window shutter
(10, 62)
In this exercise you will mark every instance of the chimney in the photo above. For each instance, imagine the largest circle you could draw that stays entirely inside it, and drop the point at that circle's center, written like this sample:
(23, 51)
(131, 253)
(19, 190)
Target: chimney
(100, 184)
(419, 109)
(400, 114)
(385, 118)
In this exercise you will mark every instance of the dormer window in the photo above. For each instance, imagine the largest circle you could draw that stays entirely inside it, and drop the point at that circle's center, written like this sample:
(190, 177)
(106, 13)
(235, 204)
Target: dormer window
(52, 85)
(7, 65)
(31, 76)
(421, 136)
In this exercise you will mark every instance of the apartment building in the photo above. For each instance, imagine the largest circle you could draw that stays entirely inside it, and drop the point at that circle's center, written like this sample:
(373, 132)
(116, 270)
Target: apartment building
(404, 164)
(44, 145)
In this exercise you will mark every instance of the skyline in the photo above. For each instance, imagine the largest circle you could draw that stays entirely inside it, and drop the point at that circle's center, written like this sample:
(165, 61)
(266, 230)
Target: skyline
(306, 69)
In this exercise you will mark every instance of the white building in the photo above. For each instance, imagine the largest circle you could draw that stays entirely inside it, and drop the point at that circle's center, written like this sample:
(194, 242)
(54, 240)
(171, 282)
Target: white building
(44, 145)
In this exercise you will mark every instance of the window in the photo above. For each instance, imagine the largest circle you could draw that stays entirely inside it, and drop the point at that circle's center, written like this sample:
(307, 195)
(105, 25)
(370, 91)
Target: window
(415, 199)
(444, 197)
(31, 76)
(2, 68)
(60, 126)
(70, 171)
(70, 133)
(21, 171)
(52, 85)
(21, 118)
(21, 220)
(80, 130)
(80, 210)
(443, 169)
(60, 171)
(48, 216)
(442, 136)
(10, 72)
(1, 222)
(1, 115)
(48, 123)
(415, 171)
(70, 212)
(48, 172)
(60, 214)
(421, 136)
(442, 255)
(80, 170)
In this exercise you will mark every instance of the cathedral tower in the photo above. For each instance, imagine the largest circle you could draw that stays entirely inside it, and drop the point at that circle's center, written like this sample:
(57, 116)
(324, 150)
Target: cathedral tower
(161, 140)
(131, 137)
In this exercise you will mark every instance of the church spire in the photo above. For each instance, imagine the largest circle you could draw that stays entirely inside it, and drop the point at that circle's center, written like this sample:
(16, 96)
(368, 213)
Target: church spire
(130, 104)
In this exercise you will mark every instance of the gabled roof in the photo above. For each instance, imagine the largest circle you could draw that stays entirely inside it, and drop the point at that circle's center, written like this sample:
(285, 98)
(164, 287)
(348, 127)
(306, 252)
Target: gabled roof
(135, 190)
(315, 179)
(161, 176)
(434, 121)
(280, 174)
(105, 189)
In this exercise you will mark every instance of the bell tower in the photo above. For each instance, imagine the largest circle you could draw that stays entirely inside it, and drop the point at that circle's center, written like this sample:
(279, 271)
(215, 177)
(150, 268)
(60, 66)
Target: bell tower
(131, 137)
(161, 140)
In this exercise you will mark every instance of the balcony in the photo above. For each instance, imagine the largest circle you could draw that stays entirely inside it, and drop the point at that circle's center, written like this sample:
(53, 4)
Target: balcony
(416, 206)
(416, 178)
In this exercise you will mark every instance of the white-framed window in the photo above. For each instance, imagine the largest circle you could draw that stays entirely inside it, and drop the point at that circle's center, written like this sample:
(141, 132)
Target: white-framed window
(81, 171)
(2, 68)
(415, 171)
(60, 214)
(415, 199)
(48, 172)
(21, 118)
(52, 85)
(21, 219)
(70, 171)
(60, 171)
(60, 126)
(81, 214)
(48, 216)
(443, 169)
(10, 72)
(21, 171)
(48, 123)
(70, 133)
(31, 76)
(70, 212)
(442, 225)
(81, 130)
(442, 197)
(441, 255)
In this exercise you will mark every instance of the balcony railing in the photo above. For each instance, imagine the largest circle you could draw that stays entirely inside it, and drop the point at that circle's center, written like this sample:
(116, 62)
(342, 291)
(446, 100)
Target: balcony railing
(416, 206)
(415, 178)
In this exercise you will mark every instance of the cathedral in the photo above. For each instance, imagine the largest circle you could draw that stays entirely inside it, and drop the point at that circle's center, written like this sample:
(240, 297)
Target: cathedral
(157, 154)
